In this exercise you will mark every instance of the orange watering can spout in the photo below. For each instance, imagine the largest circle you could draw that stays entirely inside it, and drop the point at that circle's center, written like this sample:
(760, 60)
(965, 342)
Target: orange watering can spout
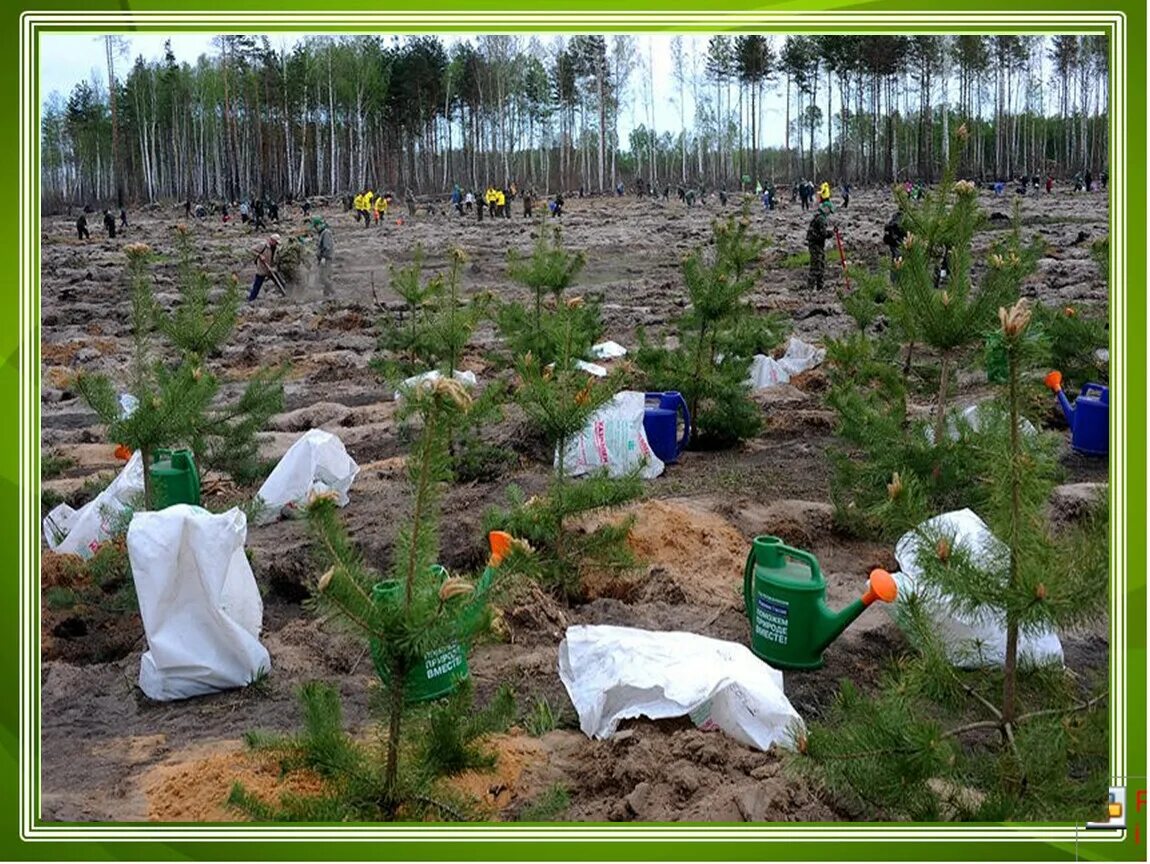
(880, 587)
(1053, 380)
(500, 545)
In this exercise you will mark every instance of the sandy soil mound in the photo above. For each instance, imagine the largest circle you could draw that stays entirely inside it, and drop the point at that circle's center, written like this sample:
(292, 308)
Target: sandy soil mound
(193, 785)
(687, 554)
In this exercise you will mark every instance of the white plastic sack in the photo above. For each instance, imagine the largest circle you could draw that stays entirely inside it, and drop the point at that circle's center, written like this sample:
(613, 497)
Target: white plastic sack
(608, 350)
(766, 372)
(199, 602)
(801, 356)
(315, 464)
(972, 641)
(614, 673)
(613, 438)
(80, 532)
(973, 417)
(591, 368)
(468, 379)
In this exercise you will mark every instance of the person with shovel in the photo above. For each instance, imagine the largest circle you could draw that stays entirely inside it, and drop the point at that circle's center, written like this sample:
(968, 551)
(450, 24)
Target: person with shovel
(265, 254)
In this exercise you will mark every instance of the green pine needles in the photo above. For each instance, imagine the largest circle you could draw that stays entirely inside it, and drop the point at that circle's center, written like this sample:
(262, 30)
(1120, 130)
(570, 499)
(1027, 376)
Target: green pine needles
(1023, 741)
(718, 336)
(414, 613)
(430, 334)
(894, 467)
(558, 399)
(174, 388)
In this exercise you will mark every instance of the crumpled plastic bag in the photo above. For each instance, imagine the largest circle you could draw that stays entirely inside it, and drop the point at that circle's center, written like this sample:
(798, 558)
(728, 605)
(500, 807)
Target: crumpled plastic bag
(466, 378)
(973, 416)
(199, 602)
(972, 641)
(613, 439)
(801, 356)
(316, 464)
(80, 532)
(608, 350)
(615, 673)
(766, 372)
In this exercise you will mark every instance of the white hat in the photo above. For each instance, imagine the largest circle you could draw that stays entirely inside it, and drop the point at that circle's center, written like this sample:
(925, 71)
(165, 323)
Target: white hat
(274, 239)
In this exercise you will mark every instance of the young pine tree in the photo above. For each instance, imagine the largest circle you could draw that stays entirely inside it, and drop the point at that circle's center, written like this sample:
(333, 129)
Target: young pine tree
(1020, 742)
(171, 381)
(718, 336)
(413, 611)
(558, 398)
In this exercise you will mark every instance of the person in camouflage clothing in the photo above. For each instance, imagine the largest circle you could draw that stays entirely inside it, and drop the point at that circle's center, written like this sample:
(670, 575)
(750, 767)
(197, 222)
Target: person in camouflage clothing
(817, 235)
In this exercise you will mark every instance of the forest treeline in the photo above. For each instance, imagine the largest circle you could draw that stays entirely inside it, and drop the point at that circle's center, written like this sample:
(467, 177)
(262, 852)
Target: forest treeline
(332, 114)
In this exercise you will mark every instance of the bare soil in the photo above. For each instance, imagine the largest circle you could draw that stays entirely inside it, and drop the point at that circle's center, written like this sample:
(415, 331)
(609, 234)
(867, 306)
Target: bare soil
(109, 753)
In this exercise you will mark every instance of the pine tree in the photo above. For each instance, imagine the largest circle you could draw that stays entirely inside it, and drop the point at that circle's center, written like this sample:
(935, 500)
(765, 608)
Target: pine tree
(918, 747)
(432, 333)
(558, 399)
(718, 336)
(174, 388)
(415, 610)
(893, 471)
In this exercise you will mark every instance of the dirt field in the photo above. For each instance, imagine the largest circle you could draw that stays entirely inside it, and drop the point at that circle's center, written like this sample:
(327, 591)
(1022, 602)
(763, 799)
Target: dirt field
(108, 753)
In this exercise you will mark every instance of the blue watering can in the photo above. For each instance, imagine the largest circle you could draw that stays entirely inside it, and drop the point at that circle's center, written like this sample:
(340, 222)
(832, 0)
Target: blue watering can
(661, 424)
(1089, 417)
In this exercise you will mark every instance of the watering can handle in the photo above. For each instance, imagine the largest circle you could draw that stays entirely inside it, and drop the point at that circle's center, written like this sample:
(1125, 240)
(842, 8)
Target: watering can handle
(748, 583)
(806, 557)
(686, 439)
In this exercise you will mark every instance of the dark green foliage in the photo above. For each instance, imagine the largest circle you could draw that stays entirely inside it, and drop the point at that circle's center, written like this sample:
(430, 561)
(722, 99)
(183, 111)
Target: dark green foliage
(1072, 336)
(718, 336)
(439, 742)
(1012, 743)
(431, 333)
(530, 329)
(892, 470)
(454, 728)
(558, 399)
(170, 380)
(426, 611)
(97, 587)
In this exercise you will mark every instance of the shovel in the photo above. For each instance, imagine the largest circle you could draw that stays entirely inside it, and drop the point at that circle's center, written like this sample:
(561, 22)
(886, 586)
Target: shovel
(842, 258)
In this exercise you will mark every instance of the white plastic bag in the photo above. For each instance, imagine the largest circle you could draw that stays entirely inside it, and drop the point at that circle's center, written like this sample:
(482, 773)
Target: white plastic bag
(973, 416)
(801, 356)
(199, 602)
(608, 350)
(972, 641)
(613, 438)
(80, 532)
(591, 368)
(317, 463)
(766, 372)
(614, 673)
(467, 379)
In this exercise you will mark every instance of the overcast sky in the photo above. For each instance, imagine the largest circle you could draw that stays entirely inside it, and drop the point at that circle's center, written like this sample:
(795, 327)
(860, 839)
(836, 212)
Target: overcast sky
(67, 59)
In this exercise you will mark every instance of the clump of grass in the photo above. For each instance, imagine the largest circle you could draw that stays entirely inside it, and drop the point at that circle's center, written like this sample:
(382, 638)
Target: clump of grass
(796, 261)
(548, 807)
(541, 719)
(54, 463)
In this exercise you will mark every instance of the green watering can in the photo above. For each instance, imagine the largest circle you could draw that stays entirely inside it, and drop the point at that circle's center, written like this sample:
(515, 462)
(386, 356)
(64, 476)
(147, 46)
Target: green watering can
(784, 592)
(443, 668)
(174, 478)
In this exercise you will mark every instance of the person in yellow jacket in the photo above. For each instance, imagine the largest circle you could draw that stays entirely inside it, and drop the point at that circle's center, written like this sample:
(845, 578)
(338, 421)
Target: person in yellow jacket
(500, 202)
(380, 207)
(490, 199)
(825, 192)
(368, 198)
(357, 205)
